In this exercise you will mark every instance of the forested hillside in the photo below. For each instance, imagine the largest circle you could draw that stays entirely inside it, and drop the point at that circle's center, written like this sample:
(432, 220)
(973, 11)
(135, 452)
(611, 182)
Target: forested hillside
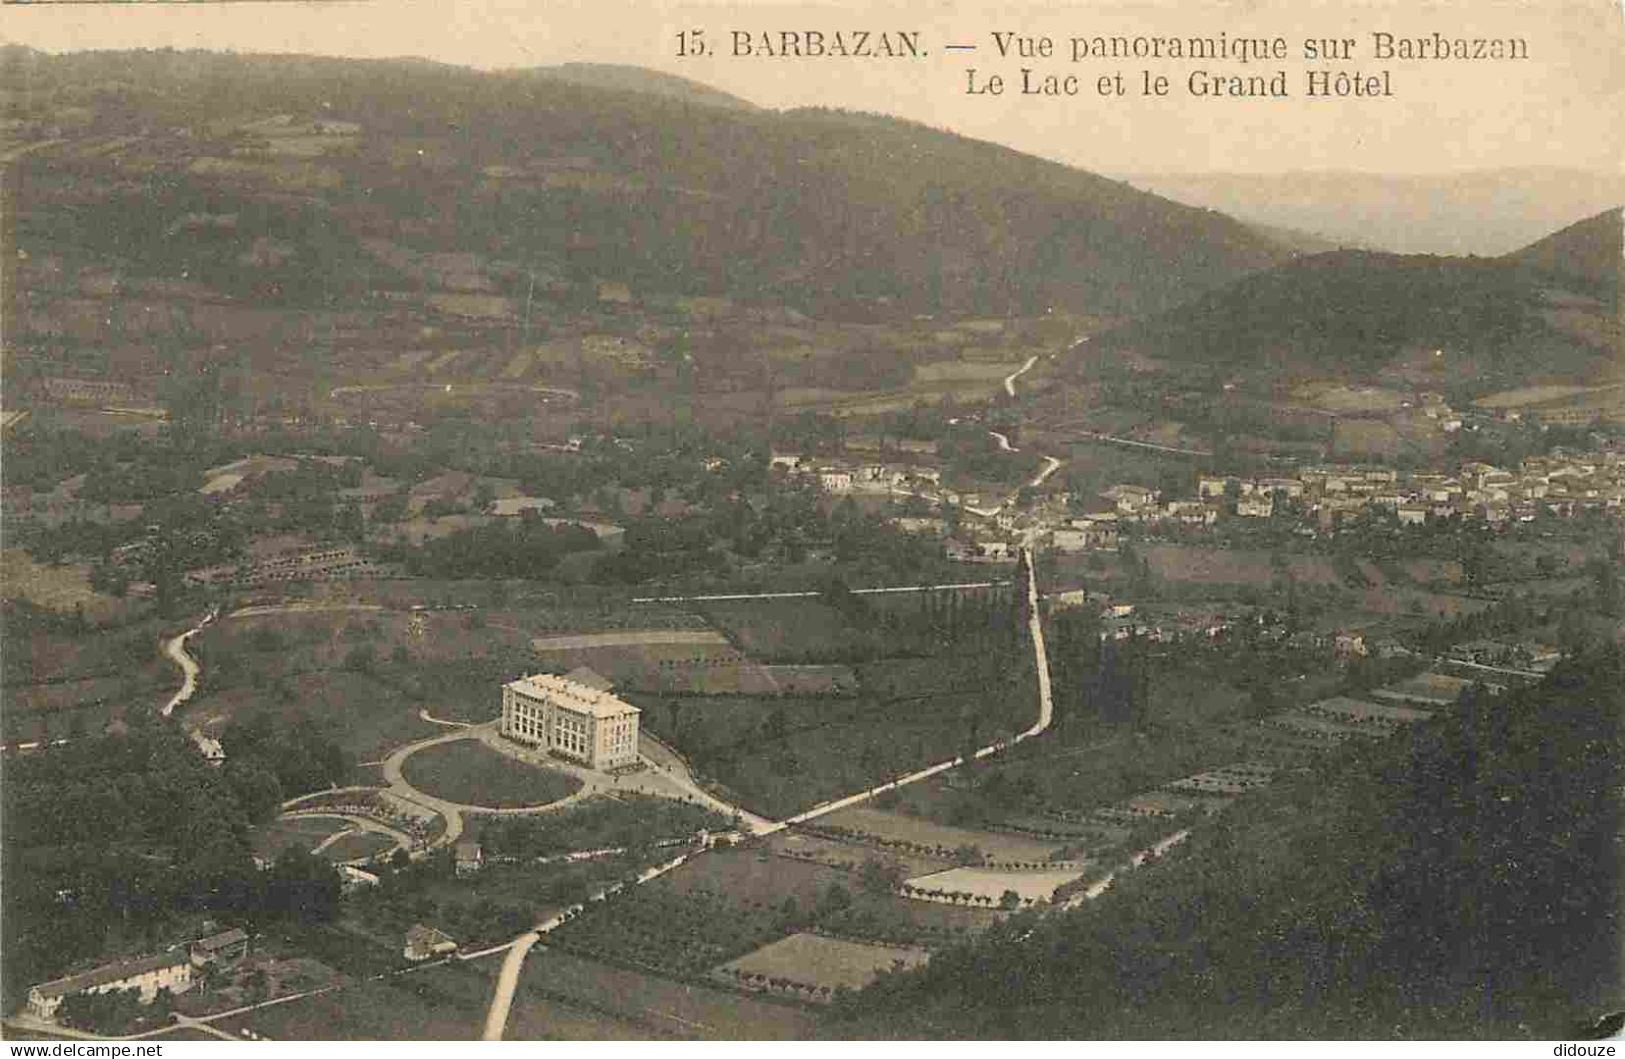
(1587, 253)
(1461, 885)
(1547, 313)
(118, 843)
(314, 182)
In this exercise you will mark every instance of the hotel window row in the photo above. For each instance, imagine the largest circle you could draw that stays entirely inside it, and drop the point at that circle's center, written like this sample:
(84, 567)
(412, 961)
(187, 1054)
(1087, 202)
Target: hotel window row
(571, 719)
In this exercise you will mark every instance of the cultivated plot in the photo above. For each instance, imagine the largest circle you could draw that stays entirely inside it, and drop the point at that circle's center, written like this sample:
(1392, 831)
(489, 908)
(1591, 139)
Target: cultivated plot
(819, 961)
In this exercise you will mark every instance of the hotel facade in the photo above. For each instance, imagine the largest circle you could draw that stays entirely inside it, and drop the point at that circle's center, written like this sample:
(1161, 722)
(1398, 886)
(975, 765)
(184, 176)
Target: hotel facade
(573, 720)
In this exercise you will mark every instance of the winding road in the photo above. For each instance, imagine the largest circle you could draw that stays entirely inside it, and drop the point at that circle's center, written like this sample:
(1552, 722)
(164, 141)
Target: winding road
(508, 979)
(175, 651)
(496, 1017)
(1010, 379)
(675, 769)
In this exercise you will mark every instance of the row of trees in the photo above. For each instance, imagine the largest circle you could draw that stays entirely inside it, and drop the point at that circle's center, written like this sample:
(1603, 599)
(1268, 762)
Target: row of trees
(629, 820)
(526, 547)
(1456, 883)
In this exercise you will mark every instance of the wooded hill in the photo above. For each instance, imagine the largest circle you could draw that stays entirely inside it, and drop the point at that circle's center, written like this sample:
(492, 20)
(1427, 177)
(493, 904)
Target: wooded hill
(1459, 883)
(1550, 311)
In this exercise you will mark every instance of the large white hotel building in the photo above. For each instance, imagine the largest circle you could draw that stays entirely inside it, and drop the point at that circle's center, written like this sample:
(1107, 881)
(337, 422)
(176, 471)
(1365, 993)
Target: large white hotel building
(579, 722)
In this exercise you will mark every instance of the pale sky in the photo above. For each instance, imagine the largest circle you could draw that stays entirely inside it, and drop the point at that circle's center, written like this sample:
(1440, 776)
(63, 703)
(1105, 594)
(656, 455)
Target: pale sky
(1561, 107)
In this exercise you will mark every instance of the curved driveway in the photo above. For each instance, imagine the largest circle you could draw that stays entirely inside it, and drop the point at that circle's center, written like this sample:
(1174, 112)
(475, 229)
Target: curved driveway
(508, 979)
(357, 823)
(397, 784)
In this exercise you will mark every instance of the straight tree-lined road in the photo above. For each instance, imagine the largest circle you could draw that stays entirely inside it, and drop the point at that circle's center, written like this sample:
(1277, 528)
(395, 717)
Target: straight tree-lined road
(887, 590)
(508, 979)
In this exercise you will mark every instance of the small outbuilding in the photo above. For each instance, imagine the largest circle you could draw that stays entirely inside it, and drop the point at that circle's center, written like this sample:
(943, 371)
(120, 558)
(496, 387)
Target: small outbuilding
(423, 942)
(225, 947)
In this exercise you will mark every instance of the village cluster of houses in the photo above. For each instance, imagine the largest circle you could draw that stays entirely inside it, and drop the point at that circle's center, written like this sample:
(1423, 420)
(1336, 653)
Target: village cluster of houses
(1556, 485)
(1563, 486)
(1560, 485)
(840, 478)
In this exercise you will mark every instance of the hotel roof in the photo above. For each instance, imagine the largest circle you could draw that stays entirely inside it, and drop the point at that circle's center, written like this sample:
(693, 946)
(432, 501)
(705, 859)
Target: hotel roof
(572, 696)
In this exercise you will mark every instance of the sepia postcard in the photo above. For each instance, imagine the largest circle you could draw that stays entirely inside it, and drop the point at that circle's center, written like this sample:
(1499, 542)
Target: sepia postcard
(708, 521)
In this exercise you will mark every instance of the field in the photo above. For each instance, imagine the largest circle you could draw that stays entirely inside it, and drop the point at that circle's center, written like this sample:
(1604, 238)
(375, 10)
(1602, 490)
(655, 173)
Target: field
(322, 638)
(808, 631)
(596, 822)
(779, 753)
(796, 631)
(779, 756)
(59, 684)
(724, 904)
(951, 371)
(358, 844)
(365, 672)
(1361, 399)
(678, 661)
(1429, 571)
(630, 638)
(271, 839)
(672, 931)
(1401, 602)
(470, 773)
(1373, 437)
(627, 1004)
(1232, 566)
(755, 878)
(1432, 687)
(362, 714)
(919, 832)
(51, 587)
(1532, 395)
(445, 1003)
(825, 962)
(990, 885)
(1054, 788)
(848, 855)
(808, 680)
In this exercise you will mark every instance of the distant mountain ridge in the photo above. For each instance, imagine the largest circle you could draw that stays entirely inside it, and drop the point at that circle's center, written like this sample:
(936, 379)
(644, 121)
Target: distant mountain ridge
(540, 174)
(1487, 213)
(1588, 251)
(641, 79)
